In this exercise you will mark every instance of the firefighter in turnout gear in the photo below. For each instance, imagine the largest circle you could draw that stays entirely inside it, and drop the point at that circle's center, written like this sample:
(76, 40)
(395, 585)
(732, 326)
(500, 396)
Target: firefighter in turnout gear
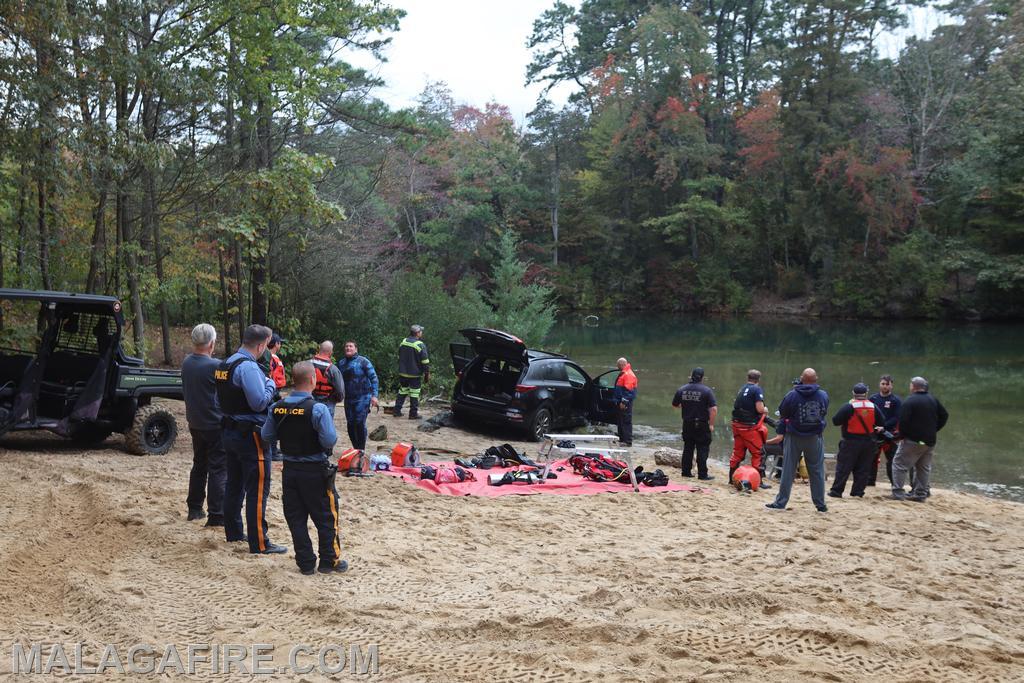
(861, 420)
(749, 432)
(413, 371)
(305, 429)
(329, 388)
(244, 393)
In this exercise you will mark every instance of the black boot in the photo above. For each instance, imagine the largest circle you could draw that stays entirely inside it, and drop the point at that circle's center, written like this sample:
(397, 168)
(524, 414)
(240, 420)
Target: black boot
(732, 471)
(414, 408)
(398, 405)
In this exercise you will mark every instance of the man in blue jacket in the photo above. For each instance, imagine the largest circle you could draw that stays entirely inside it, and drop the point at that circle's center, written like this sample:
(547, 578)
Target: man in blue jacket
(305, 428)
(244, 393)
(803, 412)
(361, 390)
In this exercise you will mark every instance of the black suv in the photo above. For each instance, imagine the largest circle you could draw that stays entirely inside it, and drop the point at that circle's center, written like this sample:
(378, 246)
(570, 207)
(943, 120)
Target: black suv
(62, 368)
(500, 381)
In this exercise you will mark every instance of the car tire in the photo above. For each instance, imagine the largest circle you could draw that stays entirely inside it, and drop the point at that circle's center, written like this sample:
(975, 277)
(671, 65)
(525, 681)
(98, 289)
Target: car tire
(153, 431)
(539, 423)
(88, 434)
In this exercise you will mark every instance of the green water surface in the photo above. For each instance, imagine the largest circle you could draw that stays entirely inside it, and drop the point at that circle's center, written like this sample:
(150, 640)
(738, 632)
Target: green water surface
(976, 370)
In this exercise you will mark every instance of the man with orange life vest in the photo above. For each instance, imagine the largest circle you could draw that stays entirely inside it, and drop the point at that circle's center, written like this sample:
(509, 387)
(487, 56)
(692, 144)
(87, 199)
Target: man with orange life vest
(306, 431)
(330, 387)
(860, 419)
(244, 393)
(275, 371)
(624, 394)
(276, 366)
(749, 432)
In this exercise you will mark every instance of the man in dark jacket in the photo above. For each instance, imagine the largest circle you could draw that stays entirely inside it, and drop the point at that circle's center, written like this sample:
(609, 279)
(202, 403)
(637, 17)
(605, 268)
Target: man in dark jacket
(699, 410)
(921, 418)
(803, 413)
(206, 480)
(861, 420)
(889, 403)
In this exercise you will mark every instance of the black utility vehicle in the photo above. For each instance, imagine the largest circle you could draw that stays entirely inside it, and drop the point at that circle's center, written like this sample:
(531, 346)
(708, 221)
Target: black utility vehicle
(500, 381)
(62, 368)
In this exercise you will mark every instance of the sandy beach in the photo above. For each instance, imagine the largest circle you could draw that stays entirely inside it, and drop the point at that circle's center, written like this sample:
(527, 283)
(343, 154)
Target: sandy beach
(671, 587)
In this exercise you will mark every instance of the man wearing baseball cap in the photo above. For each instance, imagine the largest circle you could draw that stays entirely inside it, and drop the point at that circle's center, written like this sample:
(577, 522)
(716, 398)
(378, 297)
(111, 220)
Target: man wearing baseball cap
(413, 371)
(860, 419)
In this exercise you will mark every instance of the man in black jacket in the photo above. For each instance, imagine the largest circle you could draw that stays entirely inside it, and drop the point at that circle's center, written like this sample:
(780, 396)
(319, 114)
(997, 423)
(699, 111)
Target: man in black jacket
(921, 418)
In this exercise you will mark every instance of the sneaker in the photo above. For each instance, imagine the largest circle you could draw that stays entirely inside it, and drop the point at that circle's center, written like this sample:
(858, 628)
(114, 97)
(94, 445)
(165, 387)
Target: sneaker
(706, 477)
(339, 568)
(396, 415)
(215, 520)
(307, 572)
(774, 506)
(413, 417)
(687, 475)
(195, 514)
(917, 499)
(833, 494)
(243, 539)
(765, 485)
(898, 495)
(823, 508)
(271, 549)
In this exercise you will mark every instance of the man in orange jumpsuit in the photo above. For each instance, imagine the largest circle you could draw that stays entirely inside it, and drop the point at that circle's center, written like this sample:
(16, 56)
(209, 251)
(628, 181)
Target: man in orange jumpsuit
(748, 429)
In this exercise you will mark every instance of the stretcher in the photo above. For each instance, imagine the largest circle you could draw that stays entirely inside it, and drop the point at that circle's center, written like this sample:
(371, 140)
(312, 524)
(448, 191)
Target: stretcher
(590, 446)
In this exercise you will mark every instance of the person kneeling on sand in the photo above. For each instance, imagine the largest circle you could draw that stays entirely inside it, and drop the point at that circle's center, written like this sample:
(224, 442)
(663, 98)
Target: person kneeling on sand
(305, 428)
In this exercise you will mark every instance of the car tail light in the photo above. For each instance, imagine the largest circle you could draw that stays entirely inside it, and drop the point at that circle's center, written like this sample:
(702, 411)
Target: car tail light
(525, 388)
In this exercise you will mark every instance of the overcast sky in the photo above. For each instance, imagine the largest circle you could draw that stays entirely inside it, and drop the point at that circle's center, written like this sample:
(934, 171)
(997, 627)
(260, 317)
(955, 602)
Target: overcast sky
(478, 47)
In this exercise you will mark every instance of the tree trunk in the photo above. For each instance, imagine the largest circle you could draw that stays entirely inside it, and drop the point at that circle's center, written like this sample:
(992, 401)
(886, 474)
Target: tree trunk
(261, 262)
(94, 281)
(239, 289)
(556, 198)
(224, 301)
(44, 237)
(22, 222)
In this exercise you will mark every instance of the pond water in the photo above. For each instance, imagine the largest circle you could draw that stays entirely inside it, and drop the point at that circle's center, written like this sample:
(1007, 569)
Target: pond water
(974, 369)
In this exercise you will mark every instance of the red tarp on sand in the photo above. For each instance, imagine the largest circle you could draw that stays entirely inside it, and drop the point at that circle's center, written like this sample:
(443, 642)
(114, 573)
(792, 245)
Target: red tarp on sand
(567, 484)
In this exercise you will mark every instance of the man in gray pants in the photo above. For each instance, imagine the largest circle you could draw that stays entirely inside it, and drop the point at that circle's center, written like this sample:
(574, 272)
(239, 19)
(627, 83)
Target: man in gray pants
(921, 418)
(803, 412)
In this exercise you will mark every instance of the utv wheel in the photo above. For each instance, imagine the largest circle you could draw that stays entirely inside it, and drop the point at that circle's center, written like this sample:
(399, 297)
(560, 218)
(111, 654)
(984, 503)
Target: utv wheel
(90, 434)
(539, 424)
(153, 431)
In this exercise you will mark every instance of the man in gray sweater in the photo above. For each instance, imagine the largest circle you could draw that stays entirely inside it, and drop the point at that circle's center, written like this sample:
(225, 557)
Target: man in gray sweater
(208, 475)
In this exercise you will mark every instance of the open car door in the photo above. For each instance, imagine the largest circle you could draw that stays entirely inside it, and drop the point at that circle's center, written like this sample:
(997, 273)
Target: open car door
(602, 404)
(462, 353)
